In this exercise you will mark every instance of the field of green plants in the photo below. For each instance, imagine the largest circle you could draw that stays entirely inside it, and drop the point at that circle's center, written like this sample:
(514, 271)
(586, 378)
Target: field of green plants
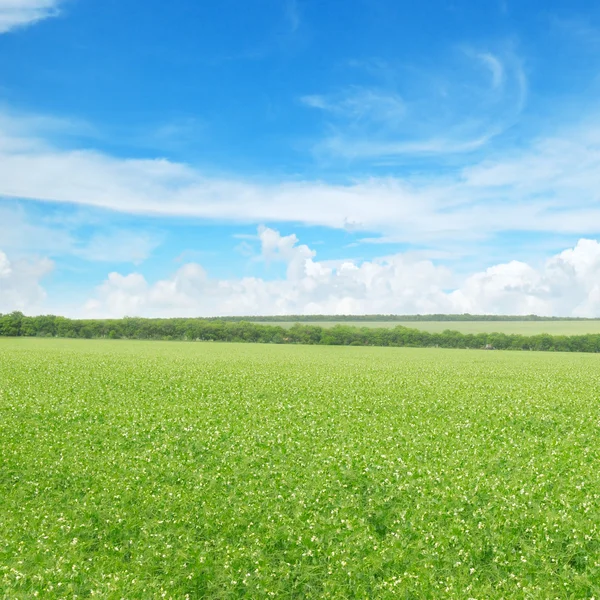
(204, 470)
(519, 327)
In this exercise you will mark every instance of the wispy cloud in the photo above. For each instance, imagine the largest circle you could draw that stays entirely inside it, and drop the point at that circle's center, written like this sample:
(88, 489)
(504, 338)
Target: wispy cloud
(360, 106)
(372, 149)
(18, 13)
(445, 112)
(549, 186)
(118, 246)
(495, 66)
(22, 232)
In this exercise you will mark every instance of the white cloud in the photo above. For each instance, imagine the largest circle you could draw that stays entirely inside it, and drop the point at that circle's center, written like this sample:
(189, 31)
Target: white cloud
(495, 66)
(18, 13)
(310, 286)
(362, 106)
(450, 111)
(568, 284)
(552, 166)
(549, 186)
(20, 287)
(365, 148)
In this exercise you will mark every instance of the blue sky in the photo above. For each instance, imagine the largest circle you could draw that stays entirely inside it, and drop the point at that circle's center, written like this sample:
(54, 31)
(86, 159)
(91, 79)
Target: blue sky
(299, 156)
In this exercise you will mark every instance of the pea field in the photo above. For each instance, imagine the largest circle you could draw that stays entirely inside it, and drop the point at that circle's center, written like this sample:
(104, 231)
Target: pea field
(206, 470)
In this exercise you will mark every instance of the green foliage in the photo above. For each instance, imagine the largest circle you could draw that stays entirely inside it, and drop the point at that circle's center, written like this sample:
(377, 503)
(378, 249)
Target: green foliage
(154, 470)
(553, 327)
(466, 317)
(16, 324)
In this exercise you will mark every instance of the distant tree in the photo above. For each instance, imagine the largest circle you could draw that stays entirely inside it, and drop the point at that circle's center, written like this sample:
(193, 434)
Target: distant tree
(17, 324)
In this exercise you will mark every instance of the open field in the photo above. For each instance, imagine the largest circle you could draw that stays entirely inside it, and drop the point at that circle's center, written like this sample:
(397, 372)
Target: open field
(521, 327)
(197, 470)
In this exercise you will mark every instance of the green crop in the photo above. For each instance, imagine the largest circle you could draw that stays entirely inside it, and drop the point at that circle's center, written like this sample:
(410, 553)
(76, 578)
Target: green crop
(197, 470)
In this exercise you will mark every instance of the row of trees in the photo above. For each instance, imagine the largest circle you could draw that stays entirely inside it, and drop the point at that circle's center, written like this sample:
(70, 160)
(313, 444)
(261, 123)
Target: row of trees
(16, 324)
(408, 318)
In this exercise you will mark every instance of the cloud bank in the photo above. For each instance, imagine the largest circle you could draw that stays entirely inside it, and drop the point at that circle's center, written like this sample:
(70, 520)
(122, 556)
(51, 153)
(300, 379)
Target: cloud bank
(567, 284)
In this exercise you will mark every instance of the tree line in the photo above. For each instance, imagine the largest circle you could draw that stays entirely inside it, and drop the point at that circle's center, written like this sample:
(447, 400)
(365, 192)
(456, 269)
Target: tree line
(393, 318)
(219, 330)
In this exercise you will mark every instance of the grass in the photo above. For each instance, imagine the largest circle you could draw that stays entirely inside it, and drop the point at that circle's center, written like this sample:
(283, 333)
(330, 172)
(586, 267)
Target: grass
(189, 470)
(522, 327)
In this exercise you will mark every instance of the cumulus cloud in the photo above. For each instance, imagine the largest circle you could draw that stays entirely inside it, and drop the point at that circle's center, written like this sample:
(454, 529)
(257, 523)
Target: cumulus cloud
(20, 287)
(567, 284)
(18, 13)
(309, 286)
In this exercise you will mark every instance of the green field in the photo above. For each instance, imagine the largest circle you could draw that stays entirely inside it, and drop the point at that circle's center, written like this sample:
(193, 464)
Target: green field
(197, 470)
(521, 327)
